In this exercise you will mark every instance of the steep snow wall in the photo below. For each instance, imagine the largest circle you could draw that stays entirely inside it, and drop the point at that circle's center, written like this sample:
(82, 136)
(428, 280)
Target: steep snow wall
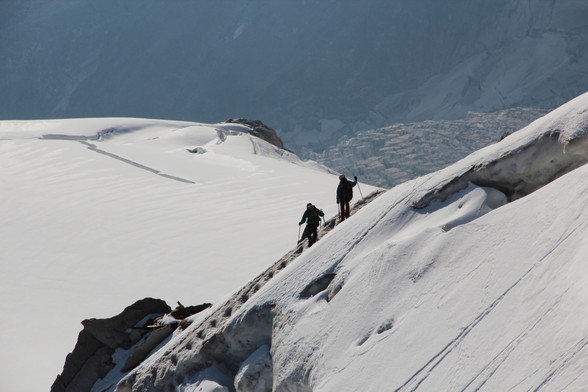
(434, 286)
(239, 346)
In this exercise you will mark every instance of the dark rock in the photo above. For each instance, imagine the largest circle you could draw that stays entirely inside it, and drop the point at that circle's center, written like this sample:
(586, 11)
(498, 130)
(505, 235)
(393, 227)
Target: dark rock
(260, 130)
(113, 332)
(91, 358)
(182, 312)
(143, 349)
(89, 361)
(197, 150)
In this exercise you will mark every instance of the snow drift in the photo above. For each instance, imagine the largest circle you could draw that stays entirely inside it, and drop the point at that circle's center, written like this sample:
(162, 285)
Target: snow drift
(472, 278)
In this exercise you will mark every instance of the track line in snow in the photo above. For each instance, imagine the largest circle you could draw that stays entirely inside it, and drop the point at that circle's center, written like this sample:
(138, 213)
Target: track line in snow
(414, 382)
(499, 359)
(132, 163)
(562, 362)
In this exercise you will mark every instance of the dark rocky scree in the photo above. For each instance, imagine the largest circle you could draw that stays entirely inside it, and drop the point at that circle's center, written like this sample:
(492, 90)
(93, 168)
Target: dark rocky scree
(137, 325)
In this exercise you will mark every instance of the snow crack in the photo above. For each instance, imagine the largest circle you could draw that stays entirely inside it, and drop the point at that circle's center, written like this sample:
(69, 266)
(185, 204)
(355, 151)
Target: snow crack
(132, 163)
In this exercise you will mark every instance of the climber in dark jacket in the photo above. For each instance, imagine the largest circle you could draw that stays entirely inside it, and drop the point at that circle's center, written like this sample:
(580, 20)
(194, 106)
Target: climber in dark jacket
(344, 195)
(313, 216)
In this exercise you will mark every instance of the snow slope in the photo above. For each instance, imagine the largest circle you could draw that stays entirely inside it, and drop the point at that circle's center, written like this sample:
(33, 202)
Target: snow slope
(98, 213)
(470, 279)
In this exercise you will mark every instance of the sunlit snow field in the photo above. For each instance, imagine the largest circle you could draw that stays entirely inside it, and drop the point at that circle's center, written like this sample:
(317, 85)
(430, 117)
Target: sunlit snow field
(98, 213)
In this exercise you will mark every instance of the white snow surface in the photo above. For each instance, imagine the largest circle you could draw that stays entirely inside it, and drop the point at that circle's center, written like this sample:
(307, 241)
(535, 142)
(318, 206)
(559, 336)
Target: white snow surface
(469, 293)
(98, 213)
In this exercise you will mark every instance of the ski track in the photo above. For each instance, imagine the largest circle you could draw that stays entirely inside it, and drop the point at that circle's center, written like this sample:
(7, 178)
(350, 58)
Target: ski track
(421, 375)
(496, 362)
(562, 362)
(93, 147)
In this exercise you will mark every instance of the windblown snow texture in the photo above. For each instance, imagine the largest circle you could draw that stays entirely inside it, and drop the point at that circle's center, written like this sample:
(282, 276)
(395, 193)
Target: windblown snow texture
(472, 278)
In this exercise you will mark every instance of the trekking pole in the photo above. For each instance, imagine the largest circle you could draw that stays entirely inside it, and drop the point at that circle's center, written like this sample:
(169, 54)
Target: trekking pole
(359, 189)
(298, 240)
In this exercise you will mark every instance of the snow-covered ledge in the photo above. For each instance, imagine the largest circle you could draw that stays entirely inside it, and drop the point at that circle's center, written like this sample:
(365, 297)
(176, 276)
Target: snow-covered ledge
(543, 151)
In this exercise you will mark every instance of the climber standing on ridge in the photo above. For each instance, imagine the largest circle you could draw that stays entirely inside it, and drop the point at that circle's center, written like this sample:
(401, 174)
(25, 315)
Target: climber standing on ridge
(344, 195)
(313, 216)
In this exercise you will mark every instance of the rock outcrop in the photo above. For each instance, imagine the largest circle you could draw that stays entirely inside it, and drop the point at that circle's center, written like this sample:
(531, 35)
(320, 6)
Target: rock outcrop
(140, 329)
(91, 358)
(260, 130)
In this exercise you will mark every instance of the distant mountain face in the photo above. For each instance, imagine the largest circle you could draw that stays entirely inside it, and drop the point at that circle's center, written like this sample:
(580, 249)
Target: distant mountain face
(312, 69)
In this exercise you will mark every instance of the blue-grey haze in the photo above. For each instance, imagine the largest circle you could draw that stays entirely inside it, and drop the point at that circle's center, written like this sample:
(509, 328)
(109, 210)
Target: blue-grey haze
(312, 69)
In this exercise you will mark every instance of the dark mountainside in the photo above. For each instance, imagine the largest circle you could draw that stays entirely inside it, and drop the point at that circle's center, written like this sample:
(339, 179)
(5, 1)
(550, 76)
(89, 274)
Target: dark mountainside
(313, 69)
